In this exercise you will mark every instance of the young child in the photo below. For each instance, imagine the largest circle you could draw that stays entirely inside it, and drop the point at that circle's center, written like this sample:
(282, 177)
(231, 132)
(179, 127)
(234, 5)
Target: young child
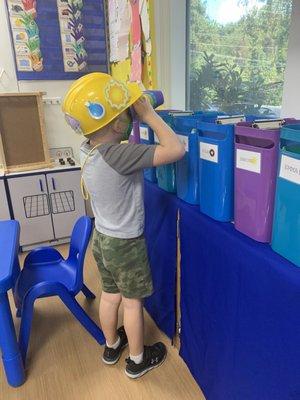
(97, 106)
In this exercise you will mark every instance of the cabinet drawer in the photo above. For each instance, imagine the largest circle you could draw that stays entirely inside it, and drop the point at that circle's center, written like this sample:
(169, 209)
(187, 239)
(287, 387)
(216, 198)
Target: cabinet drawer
(30, 203)
(66, 201)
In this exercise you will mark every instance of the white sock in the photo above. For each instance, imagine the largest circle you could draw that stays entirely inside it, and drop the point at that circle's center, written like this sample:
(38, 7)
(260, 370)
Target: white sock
(116, 345)
(137, 359)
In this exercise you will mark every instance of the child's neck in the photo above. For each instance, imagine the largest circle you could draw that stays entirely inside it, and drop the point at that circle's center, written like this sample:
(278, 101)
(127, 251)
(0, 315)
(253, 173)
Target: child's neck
(104, 140)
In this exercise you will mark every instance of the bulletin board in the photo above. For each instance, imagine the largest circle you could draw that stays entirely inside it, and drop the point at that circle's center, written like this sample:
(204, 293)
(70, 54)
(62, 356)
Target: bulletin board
(131, 38)
(23, 143)
(58, 39)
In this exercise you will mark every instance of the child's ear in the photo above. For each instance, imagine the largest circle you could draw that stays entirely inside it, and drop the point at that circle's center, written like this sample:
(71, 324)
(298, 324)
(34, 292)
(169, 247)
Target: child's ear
(118, 126)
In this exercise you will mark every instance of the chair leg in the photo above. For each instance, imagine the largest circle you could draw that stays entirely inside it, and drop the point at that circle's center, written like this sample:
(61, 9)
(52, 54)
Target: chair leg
(17, 305)
(82, 317)
(25, 327)
(88, 294)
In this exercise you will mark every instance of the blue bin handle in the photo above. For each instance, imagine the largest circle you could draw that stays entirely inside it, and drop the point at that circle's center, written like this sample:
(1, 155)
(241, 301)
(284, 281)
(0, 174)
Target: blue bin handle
(213, 127)
(226, 130)
(290, 153)
(291, 132)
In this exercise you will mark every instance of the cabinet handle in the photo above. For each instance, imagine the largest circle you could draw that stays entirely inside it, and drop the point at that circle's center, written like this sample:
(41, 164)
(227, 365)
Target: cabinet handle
(41, 185)
(53, 184)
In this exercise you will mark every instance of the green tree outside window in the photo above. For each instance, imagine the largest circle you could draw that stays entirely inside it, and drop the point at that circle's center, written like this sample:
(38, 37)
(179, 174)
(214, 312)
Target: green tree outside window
(238, 67)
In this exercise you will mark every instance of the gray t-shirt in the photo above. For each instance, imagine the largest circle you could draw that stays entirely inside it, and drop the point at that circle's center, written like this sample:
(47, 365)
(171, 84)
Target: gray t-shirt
(113, 177)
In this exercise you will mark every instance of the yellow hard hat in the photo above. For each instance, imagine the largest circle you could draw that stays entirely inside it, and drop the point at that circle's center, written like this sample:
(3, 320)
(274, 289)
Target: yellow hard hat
(94, 100)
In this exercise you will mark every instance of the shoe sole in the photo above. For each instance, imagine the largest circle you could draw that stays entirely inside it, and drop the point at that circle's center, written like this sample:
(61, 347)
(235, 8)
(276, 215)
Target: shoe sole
(115, 361)
(146, 370)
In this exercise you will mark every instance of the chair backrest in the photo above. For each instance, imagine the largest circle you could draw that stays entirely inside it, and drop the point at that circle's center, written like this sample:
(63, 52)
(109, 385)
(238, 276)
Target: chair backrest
(79, 241)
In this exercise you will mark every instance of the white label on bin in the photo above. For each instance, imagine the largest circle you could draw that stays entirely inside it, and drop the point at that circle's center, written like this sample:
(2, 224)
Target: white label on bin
(185, 141)
(290, 169)
(144, 133)
(209, 152)
(248, 160)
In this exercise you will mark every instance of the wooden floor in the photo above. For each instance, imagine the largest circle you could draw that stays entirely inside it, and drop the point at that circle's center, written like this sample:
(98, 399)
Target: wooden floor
(64, 361)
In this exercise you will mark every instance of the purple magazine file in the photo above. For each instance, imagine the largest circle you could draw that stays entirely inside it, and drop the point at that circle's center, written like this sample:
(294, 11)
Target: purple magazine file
(256, 161)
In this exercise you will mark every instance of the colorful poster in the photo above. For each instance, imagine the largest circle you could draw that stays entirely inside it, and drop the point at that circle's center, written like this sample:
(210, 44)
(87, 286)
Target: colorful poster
(72, 35)
(136, 37)
(58, 39)
(131, 29)
(119, 29)
(25, 32)
(145, 20)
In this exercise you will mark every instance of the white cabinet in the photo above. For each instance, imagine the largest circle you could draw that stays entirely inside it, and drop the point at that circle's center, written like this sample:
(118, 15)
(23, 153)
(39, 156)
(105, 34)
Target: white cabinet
(46, 205)
(4, 210)
(66, 201)
(30, 203)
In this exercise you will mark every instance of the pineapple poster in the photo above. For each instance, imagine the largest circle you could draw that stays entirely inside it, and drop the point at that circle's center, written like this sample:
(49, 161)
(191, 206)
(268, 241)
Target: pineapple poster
(58, 39)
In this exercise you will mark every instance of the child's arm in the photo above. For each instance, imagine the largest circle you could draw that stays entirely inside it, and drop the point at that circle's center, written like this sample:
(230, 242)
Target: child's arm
(169, 149)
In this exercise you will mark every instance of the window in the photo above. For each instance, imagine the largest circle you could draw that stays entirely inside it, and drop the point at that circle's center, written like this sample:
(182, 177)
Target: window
(237, 55)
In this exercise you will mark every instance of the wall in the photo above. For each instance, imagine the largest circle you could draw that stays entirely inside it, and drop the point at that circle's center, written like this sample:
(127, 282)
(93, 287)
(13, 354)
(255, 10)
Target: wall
(170, 39)
(8, 82)
(170, 25)
(291, 91)
(170, 32)
(58, 132)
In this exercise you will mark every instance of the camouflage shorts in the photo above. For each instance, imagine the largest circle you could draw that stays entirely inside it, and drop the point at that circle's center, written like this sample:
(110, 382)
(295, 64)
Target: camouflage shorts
(123, 265)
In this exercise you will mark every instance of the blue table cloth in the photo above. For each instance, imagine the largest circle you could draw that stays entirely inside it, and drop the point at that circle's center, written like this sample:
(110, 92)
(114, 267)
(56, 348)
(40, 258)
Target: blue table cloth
(160, 232)
(240, 307)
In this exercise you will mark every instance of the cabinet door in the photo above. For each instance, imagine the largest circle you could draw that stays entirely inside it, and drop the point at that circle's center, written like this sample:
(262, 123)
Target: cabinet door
(67, 204)
(30, 202)
(4, 210)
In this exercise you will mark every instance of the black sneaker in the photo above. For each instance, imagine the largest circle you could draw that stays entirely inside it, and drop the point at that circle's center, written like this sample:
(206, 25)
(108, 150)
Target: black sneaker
(111, 356)
(154, 356)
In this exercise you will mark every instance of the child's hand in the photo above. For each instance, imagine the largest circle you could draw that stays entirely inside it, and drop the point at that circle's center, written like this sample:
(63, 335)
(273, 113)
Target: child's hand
(143, 109)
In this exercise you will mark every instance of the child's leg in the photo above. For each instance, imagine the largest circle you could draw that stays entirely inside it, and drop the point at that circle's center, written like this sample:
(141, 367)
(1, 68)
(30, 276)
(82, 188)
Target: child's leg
(108, 311)
(141, 358)
(134, 325)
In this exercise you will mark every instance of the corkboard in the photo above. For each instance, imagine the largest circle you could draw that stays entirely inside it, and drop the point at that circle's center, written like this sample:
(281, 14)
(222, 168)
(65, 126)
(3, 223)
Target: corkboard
(22, 131)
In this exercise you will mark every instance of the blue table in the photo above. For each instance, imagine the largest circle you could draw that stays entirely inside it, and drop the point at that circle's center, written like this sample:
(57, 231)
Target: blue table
(240, 307)
(161, 235)
(9, 270)
(240, 304)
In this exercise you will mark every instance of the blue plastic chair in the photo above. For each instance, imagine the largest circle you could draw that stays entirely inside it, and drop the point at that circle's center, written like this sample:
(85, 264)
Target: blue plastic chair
(46, 273)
